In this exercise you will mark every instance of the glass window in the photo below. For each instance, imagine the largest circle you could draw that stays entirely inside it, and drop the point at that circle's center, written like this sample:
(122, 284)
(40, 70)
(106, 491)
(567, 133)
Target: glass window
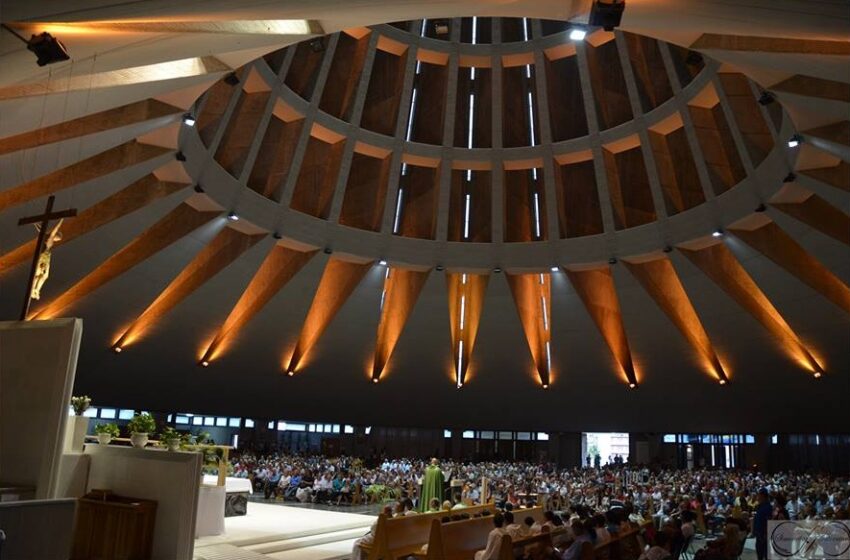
(487, 435)
(774, 439)
(271, 425)
(182, 419)
(209, 421)
(296, 427)
(198, 421)
(669, 438)
(749, 438)
(336, 428)
(506, 435)
(281, 426)
(221, 422)
(90, 413)
(349, 429)
(249, 423)
(524, 436)
(542, 436)
(110, 413)
(447, 433)
(328, 428)
(468, 434)
(234, 422)
(368, 430)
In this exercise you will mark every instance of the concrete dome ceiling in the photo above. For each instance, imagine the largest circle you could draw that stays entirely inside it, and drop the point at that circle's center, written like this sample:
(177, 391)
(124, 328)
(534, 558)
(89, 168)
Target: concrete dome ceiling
(383, 253)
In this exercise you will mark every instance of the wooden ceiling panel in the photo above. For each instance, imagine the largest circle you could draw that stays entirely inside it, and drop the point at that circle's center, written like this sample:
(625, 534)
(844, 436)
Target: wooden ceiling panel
(466, 300)
(532, 294)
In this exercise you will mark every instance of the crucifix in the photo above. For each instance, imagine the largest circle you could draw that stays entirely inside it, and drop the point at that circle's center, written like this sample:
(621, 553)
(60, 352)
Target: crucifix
(41, 256)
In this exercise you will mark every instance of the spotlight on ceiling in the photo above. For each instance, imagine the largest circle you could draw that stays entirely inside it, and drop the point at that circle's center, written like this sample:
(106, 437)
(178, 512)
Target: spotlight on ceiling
(180, 156)
(717, 233)
(232, 216)
(761, 208)
(577, 34)
(554, 269)
(722, 382)
(632, 385)
(47, 48)
(117, 349)
(374, 380)
(612, 260)
(328, 250)
(607, 14)
(199, 189)
(545, 385)
(794, 141)
(276, 235)
(790, 178)
(766, 98)
(667, 249)
(290, 373)
(497, 270)
(382, 262)
(231, 79)
(204, 363)
(189, 120)
(440, 268)
(817, 375)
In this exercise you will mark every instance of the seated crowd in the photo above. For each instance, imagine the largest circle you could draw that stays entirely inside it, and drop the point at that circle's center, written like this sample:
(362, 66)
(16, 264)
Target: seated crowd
(593, 505)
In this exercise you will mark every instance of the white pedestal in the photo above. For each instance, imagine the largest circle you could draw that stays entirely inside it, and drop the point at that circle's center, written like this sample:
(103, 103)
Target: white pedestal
(171, 478)
(210, 520)
(75, 433)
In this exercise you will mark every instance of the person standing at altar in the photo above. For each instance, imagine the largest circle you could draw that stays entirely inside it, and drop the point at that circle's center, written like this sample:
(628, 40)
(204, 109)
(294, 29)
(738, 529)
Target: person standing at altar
(432, 485)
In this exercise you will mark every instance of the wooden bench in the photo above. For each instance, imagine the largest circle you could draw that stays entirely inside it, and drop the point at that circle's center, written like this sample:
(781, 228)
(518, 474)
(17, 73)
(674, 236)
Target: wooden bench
(459, 540)
(512, 549)
(400, 536)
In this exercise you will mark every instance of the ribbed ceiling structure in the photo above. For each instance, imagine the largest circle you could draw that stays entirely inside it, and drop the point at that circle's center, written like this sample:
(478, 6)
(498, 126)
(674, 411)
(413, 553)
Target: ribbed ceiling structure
(411, 208)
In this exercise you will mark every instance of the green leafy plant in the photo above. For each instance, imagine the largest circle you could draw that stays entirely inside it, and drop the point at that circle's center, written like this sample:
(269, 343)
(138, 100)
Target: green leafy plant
(80, 404)
(142, 424)
(109, 429)
(169, 433)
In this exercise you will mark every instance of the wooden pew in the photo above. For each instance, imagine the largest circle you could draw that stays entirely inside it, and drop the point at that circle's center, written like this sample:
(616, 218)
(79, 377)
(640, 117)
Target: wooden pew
(511, 549)
(399, 536)
(459, 540)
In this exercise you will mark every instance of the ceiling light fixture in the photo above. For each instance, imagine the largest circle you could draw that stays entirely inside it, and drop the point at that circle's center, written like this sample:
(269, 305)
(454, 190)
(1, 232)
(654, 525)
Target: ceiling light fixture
(328, 250)
(231, 79)
(817, 375)
(667, 249)
(607, 14)
(180, 156)
(794, 141)
(47, 48)
(382, 262)
(276, 235)
(554, 269)
(790, 178)
(440, 268)
(199, 189)
(632, 385)
(233, 216)
(766, 98)
(612, 260)
(722, 382)
(374, 380)
(189, 120)
(204, 363)
(577, 34)
(497, 270)
(761, 208)
(545, 385)
(717, 233)
(290, 373)
(117, 349)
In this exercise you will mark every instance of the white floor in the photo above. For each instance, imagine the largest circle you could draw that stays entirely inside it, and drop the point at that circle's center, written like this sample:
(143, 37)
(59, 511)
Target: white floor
(285, 533)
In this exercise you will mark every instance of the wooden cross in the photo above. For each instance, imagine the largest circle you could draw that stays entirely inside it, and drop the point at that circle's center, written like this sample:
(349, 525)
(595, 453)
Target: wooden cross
(42, 220)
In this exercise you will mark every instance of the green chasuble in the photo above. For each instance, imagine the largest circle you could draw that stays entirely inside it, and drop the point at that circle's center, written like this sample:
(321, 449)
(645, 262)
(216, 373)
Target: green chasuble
(432, 487)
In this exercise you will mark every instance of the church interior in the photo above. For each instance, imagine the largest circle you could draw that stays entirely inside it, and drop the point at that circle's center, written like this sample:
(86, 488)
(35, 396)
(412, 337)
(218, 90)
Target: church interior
(450, 280)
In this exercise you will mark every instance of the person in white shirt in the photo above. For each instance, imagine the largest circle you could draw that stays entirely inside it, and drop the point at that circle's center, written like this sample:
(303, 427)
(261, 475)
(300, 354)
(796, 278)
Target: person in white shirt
(515, 530)
(494, 540)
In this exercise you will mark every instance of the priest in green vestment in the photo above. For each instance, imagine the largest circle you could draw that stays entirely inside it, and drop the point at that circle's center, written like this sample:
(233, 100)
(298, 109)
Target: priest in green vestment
(432, 485)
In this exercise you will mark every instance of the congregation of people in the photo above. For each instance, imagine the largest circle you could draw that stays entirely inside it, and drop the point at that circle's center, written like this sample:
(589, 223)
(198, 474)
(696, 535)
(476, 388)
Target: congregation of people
(671, 508)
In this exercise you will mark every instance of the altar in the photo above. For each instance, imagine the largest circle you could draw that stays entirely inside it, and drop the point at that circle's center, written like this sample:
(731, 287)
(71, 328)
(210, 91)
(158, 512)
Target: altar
(236, 492)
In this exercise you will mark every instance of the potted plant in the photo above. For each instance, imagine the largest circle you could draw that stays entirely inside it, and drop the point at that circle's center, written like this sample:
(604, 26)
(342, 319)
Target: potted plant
(78, 425)
(140, 427)
(80, 404)
(105, 433)
(170, 438)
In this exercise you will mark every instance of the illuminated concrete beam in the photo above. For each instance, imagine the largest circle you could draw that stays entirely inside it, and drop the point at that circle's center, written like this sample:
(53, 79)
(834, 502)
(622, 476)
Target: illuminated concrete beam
(278, 268)
(596, 289)
(466, 300)
(137, 195)
(174, 226)
(719, 264)
(401, 290)
(222, 250)
(532, 295)
(338, 282)
(659, 279)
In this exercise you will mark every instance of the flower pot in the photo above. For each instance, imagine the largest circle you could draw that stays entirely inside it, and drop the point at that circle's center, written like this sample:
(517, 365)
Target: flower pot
(139, 440)
(75, 433)
(173, 444)
(104, 439)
